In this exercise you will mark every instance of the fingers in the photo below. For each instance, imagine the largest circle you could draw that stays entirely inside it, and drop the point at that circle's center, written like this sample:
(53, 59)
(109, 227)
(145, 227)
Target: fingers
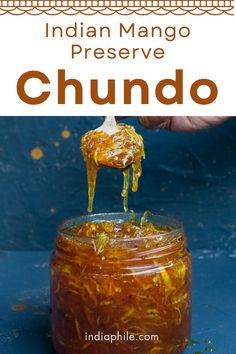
(181, 123)
(195, 123)
(150, 122)
(156, 122)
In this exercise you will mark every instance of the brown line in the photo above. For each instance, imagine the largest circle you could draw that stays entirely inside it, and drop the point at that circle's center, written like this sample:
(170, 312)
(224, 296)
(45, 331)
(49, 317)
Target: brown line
(220, 8)
(148, 3)
(79, 2)
(182, 5)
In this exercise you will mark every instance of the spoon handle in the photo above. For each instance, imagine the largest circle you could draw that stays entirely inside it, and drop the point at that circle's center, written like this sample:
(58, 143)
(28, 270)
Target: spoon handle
(109, 126)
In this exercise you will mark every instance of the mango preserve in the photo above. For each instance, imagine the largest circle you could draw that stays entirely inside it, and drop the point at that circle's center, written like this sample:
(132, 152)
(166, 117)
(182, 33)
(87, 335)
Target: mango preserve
(123, 277)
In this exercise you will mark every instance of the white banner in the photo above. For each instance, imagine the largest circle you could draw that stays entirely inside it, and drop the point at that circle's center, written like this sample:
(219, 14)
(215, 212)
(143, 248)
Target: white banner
(162, 58)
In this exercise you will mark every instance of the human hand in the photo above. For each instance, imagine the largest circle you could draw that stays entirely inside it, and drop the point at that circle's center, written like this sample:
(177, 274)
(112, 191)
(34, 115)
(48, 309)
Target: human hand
(183, 124)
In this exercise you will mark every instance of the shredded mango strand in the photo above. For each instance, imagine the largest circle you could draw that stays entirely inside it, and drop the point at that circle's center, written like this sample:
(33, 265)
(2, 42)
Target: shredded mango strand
(125, 190)
(92, 170)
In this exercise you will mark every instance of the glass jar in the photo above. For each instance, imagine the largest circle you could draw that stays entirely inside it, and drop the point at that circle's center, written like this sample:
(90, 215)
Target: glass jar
(132, 296)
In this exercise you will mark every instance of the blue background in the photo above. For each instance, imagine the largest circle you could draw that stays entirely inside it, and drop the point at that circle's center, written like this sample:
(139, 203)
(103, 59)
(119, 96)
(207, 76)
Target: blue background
(192, 176)
(189, 175)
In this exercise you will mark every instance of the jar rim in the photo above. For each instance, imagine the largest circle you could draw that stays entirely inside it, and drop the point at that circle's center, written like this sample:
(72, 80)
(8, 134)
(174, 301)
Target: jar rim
(176, 225)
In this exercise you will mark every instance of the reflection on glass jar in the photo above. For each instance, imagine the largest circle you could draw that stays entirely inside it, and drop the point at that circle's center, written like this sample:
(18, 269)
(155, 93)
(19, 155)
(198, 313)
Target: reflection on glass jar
(121, 284)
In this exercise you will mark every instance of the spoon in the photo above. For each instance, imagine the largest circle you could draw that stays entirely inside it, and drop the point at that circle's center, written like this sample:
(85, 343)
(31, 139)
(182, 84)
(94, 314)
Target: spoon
(109, 126)
(120, 148)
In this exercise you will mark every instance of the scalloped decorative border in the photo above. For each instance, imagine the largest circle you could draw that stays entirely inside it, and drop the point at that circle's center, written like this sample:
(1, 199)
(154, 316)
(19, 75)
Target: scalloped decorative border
(121, 7)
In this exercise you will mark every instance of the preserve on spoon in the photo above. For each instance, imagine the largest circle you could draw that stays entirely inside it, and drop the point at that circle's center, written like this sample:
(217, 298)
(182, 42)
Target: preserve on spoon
(113, 145)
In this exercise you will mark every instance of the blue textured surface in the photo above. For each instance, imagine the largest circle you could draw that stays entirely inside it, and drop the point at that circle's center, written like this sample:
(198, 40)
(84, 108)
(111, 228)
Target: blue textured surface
(192, 176)
(24, 280)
